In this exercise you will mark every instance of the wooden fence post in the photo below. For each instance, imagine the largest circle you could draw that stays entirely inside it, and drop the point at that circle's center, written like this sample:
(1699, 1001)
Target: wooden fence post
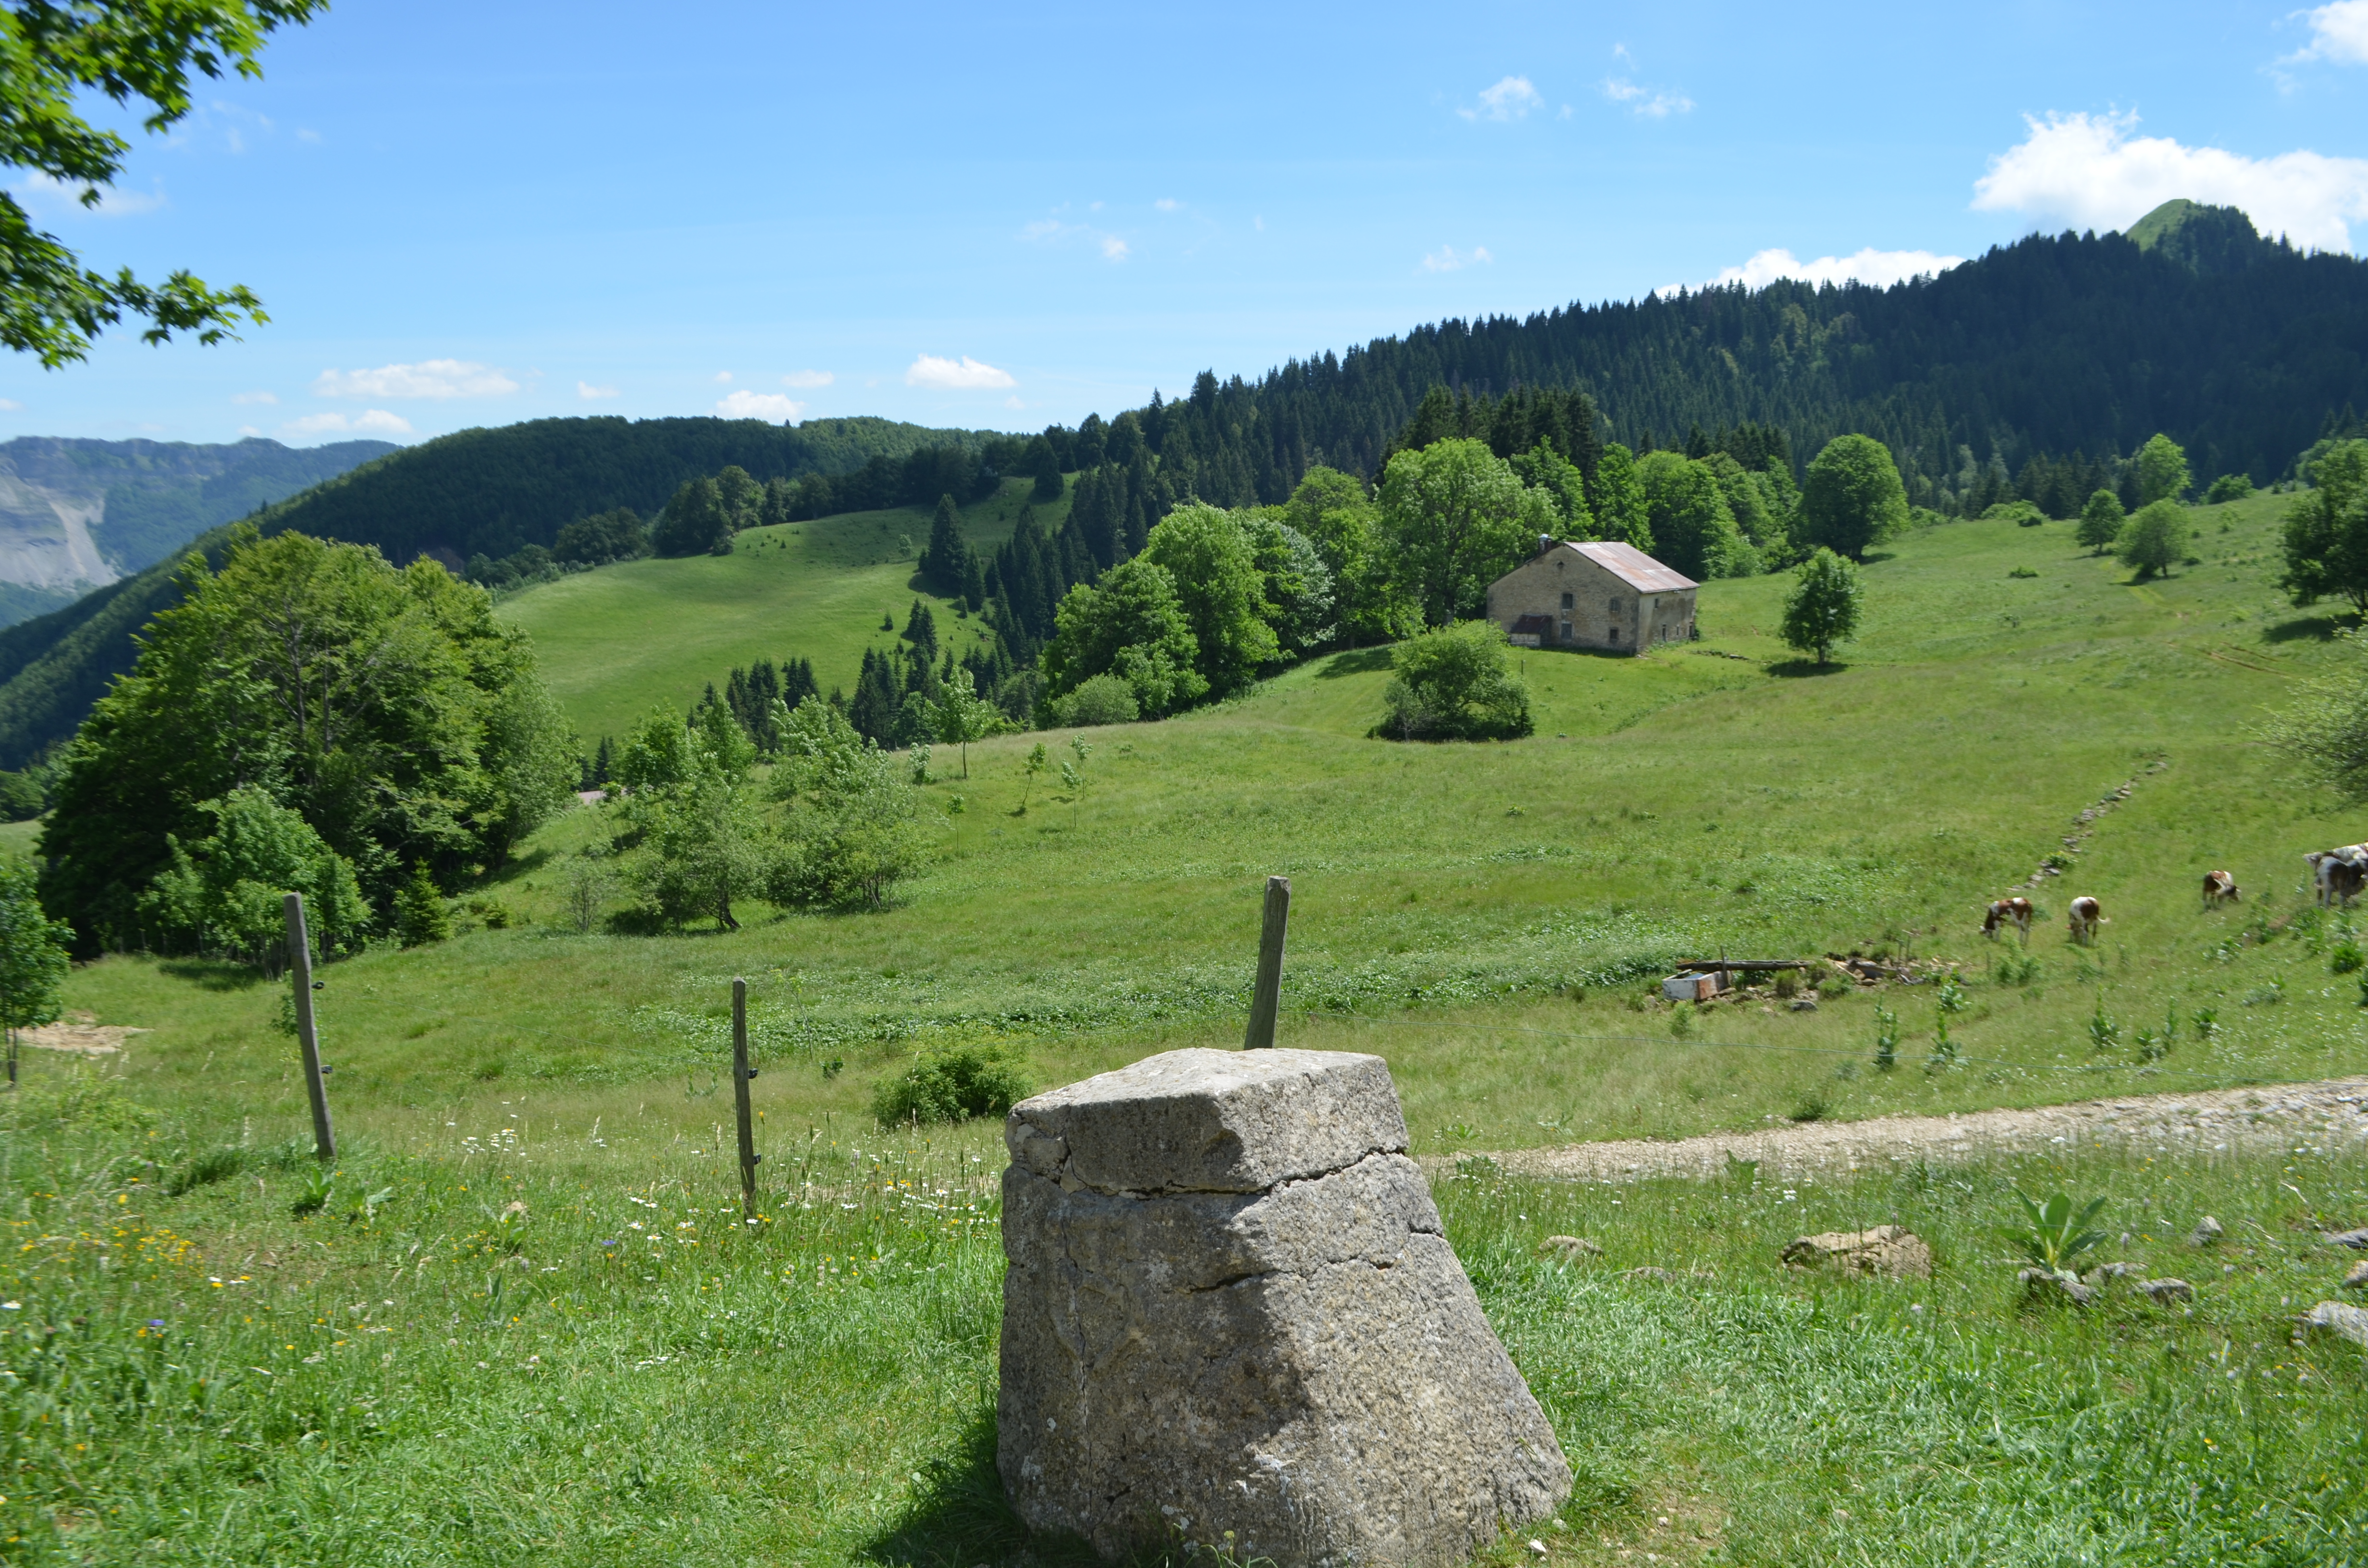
(299, 970)
(1267, 995)
(741, 1074)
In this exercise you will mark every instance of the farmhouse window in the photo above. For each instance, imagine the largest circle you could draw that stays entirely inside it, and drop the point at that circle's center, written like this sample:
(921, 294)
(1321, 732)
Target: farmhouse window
(1568, 600)
(1616, 606)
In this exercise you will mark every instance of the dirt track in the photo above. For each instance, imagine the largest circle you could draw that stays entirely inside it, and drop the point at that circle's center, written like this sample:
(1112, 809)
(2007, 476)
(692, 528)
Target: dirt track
(2330, 1116)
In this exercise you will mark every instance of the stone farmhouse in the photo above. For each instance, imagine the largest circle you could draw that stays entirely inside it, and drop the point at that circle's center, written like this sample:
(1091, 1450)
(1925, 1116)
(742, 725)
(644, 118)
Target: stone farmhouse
(1602, 594)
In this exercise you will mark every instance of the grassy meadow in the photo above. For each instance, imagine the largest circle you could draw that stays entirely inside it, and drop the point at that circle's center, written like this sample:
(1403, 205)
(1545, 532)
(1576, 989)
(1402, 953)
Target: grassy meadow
(619, 640)
(450, 1379)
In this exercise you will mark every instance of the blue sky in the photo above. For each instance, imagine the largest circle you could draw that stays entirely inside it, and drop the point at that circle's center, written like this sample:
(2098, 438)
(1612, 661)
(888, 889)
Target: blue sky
(996, 217)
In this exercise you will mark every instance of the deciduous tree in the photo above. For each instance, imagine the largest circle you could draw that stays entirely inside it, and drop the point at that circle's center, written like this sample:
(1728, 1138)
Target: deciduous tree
(2101, 522)
(1824, 606)
(1454, 518)
(2155, 537)
(1853, 498)
(53, 55)
(2326, 533)
(2162, 471)
(33, 957)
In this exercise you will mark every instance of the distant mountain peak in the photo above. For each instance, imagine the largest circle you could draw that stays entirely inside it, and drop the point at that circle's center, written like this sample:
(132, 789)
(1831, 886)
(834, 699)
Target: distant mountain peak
(2201, 238)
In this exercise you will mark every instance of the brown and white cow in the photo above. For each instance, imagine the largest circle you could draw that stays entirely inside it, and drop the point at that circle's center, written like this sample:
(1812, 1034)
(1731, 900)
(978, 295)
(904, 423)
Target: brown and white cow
(2219, 888)
(2014, 912)
(2336, 874)
(2085, 917)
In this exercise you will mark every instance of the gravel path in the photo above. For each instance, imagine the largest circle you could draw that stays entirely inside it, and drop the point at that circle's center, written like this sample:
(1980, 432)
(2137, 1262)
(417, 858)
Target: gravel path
(2326, 1116)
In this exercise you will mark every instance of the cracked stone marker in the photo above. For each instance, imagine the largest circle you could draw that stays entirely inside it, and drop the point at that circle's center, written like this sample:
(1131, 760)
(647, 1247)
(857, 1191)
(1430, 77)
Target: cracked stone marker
(1230, 1308)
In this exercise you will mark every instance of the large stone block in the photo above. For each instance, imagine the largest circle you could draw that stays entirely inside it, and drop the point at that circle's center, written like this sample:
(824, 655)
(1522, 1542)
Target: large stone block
(1230, 1308)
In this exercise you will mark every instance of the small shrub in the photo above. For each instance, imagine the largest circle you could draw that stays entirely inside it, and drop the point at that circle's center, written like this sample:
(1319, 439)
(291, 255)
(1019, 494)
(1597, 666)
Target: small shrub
(1451, 684)
(1103, 700)
(2023, 571)
(2229, 488)
(954, 1084)
(2346, 958)
(1788, 984)
(420, 916)
(1886, 1038)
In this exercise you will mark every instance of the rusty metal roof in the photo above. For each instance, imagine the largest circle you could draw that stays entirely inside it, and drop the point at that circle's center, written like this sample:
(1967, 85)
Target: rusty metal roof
(1633, 567)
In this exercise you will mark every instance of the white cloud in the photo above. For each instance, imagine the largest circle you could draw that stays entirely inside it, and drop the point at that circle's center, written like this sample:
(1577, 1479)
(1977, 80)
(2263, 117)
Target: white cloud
(2337, 32)
(1165, 204)
(722, 376)
(1050, 230)
(746, 404)
(244, 398)
(1511, 98)
(2088, 170)
(1654, 103)
(55, 197)
(248, 430)
(311, 137)
(429, 378)
(807, 378)
(588, 391)
(950, 375)
(1880, 268)
(1013, 401)
(370, 422)
(1447, 258)
(10, 406)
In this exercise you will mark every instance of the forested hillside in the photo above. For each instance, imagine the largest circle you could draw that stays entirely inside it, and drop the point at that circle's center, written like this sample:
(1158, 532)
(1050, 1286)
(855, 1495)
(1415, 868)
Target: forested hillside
(474, 492)
(2238, 347)
(2034, 371)
(491, 492)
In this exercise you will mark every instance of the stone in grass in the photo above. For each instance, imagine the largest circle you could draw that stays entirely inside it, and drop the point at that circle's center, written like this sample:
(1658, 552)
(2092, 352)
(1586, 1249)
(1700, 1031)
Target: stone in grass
(2162, 1292)
(2356, 1279)
(2043, 1280)
(1570, 1246)
(2207, 1231)
(2350, 1238)
(1891, 1251)
(1231, 1310)
(2339, 1317)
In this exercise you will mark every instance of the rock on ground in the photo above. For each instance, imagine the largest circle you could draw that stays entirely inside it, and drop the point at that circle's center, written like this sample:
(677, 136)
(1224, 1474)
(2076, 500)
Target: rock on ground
(2339, 1317)
(1231, 1307)
(1891, 1251)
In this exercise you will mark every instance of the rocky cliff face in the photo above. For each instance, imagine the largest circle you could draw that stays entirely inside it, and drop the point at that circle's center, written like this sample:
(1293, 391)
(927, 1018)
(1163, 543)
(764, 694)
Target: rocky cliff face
(76, 514)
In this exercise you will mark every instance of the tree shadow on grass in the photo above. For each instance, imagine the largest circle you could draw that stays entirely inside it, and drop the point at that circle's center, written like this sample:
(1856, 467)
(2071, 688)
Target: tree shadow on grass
(1795, 669)
(959, 1518)
(1357, 661)
(2310, 628)
(213, 974)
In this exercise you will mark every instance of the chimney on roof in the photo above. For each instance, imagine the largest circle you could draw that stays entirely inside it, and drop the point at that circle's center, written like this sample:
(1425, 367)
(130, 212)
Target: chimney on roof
(1546, 542)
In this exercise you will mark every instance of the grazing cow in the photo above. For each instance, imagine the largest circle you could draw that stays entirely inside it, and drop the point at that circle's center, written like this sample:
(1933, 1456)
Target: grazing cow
(2338, 874)
(2219, 888)
(2085, 919)
(2014, 912)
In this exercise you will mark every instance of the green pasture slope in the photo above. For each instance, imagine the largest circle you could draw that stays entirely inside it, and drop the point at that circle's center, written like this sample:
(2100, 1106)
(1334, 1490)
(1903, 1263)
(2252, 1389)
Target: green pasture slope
(621, 640)
(618, 1371)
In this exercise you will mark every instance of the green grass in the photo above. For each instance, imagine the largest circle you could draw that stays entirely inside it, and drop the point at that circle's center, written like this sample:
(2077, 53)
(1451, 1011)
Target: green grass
(559, 1343)
(621, 640)
(1489, 918)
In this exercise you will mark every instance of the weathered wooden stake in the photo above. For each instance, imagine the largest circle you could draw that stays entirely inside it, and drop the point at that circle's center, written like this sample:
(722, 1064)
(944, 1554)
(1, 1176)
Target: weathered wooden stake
(1268, 996)
(300, 967)
(741, 1074)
